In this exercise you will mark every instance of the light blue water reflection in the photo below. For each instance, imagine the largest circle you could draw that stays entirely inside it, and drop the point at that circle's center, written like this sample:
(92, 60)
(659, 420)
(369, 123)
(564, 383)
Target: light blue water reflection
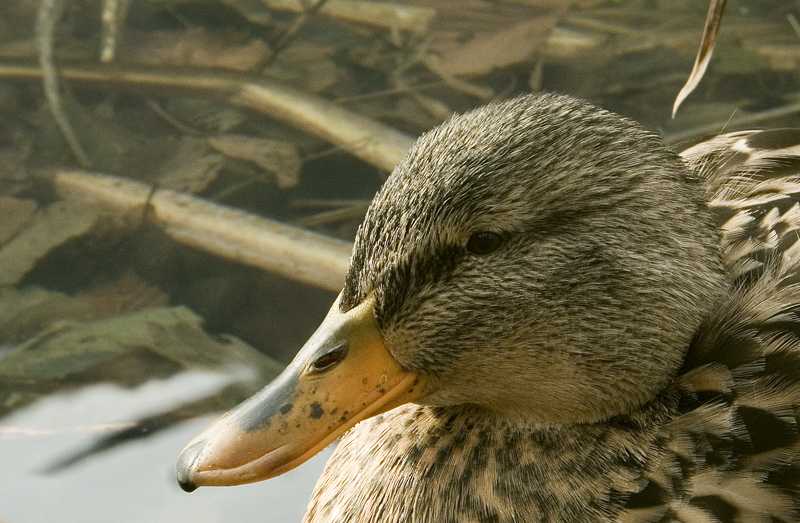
(133, 482)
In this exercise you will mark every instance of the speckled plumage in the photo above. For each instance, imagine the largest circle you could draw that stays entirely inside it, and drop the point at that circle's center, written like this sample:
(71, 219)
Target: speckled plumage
(617, 359)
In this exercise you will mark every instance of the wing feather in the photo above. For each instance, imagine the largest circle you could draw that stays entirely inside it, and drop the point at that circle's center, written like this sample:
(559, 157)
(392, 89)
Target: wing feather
(733, 452)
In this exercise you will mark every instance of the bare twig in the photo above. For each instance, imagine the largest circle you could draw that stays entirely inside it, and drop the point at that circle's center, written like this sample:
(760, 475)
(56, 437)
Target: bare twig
(373, 142)
(47, 17)
(794, 23)
(304, 203)
(232, 234)
(114, 14)
(433, 63)
(734, 123)
(369, 140)
(174, 122)
(382, 14)
(713, 21)
(289, 34)
(335, 215)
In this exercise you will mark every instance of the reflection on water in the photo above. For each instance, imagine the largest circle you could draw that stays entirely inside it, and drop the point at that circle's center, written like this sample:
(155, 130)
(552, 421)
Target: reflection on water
(139, 298)
(134, 482)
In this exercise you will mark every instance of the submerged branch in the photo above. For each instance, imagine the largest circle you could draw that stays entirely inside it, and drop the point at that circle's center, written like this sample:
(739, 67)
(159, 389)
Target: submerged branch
(371, 141)
(47, 17)
(232, 234)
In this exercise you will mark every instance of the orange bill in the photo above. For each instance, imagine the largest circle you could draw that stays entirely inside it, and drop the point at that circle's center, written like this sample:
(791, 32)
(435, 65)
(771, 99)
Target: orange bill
(342, 375)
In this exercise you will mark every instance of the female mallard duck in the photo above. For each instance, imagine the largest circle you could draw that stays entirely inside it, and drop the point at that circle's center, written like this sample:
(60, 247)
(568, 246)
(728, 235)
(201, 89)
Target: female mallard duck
(543, 322)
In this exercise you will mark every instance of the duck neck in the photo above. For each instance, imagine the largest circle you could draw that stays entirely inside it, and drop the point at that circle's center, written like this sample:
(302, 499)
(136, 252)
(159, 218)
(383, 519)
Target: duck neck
(464, 464)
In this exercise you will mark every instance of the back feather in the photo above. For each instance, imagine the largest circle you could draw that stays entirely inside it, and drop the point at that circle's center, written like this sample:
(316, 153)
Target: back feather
(733, 453)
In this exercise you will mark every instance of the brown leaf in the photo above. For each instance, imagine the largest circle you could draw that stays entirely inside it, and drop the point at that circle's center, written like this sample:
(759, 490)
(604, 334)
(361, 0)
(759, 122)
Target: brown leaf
(192, 168)
(307, 66)
(130, 349)
(127, 294)
(31, 310)
(12, 160)
(14, 214)
(49, 228)
(713, 21)
(488, 51)
(254, 10)
(193, 47)
(279, 159)
(474, 37)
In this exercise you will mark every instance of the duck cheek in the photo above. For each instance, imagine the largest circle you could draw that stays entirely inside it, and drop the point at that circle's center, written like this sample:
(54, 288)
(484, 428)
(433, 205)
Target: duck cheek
(343, 374)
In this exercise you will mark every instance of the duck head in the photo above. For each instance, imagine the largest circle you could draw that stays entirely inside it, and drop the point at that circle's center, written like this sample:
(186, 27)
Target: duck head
(542, 259)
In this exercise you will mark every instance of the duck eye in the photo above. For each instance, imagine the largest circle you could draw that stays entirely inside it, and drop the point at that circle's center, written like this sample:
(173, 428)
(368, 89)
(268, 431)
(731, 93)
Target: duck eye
(484, 242)
(329, 359)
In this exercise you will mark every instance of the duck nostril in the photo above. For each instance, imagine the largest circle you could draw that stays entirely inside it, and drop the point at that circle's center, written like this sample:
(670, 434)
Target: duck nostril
(330, 359)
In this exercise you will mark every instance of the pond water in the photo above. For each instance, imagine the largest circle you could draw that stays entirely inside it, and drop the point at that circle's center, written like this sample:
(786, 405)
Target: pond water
(135, 482)
(156, 187)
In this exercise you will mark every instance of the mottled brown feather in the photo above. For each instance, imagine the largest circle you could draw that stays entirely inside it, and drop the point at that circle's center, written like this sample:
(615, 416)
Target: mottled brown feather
(706, 428)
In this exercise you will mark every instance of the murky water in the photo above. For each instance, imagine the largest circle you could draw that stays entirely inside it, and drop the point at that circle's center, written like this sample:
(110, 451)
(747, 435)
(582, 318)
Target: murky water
(133, 308)
(135, 482)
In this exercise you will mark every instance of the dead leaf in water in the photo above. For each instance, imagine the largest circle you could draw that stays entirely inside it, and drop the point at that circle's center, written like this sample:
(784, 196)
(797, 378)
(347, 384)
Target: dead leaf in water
(307, 66)
(14, 214)
(24, 312)
(195, 47)
(49, 228)
(489, 51)
(130, 349)
(279, 159)
(192, 168)
(128, 293)
(474, 38)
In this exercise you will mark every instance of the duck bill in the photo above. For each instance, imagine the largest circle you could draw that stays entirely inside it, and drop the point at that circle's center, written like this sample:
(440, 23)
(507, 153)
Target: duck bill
(342, 375)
